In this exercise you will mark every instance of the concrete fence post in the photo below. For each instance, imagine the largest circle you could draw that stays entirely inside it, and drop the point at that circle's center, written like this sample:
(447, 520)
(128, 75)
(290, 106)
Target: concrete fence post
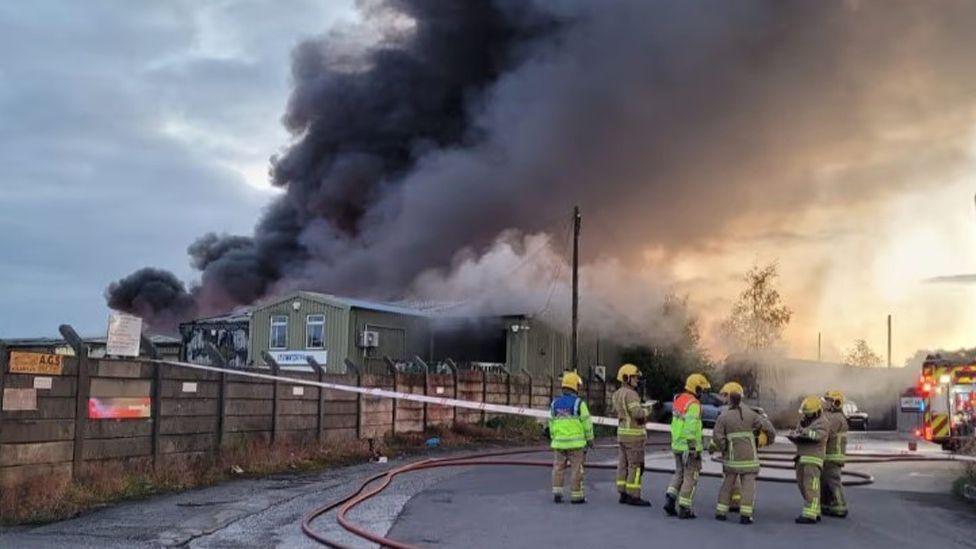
(275, 370)
(82, 390)
(4, 359)
(218, 360)
(454, 375)
(423, 422)
(156, 409)
(396, 379)
(319, 420)
(484, 396)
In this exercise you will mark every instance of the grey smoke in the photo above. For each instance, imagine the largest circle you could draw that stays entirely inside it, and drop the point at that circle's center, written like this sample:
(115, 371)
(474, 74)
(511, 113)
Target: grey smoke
(667, 121)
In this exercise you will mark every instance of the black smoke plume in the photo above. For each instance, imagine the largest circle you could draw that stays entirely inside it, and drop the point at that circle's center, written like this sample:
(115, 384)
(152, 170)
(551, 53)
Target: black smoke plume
(670, 122)
(153, 294)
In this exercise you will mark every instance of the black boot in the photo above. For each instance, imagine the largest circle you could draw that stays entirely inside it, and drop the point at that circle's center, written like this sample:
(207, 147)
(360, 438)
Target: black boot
(805, 520)
(558, 498)
(669, 505)
(624, 498)
(638, 502)
(685, 513)
(745, 520)
(577, 501)
(721, 517)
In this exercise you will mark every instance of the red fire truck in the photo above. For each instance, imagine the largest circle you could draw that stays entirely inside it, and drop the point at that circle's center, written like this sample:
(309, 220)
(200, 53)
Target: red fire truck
(947, 387)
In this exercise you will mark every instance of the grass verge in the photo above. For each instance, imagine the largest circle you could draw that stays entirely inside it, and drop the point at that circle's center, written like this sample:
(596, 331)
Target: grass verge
(47, 499)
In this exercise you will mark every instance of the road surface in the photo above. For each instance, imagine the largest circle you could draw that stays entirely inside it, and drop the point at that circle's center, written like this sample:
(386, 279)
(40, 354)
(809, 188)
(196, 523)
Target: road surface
(909, 506)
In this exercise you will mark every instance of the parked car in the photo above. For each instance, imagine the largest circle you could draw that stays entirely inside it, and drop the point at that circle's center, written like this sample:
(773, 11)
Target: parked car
(711, 407)
(856, 418)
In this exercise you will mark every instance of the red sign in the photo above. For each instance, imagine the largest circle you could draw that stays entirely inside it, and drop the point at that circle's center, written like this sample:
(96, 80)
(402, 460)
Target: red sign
(119, 408)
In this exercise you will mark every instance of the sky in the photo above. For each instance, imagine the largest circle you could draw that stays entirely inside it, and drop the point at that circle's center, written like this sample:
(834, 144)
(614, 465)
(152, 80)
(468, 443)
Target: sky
(842, 150)
(126, 133)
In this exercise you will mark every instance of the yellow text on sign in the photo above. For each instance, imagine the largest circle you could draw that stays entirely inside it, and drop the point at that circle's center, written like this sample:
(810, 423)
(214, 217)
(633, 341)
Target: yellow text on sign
(35, 363)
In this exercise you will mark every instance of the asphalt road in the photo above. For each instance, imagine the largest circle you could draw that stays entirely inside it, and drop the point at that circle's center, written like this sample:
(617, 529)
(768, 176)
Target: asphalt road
(511, 507)
(909, 506)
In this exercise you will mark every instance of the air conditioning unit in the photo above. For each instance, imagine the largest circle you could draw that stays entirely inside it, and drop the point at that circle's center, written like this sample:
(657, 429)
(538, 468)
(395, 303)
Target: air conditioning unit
(600, 372)
(369, 339)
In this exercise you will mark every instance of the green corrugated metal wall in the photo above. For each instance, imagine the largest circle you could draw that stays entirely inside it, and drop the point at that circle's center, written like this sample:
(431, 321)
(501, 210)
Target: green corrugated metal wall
(336, 328)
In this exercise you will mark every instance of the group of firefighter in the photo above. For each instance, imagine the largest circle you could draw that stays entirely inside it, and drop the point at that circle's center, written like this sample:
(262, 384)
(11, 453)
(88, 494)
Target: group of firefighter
(820, 438)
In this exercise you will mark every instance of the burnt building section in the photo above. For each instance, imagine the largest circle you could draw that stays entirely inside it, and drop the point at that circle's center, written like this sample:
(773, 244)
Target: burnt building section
(230, 334)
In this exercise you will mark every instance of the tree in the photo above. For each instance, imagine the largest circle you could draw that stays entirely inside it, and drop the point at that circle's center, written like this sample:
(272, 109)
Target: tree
(861, 355)
(758, 318)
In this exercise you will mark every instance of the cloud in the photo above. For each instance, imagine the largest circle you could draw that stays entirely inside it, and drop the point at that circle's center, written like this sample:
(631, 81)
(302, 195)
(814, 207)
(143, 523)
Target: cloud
(126, 132)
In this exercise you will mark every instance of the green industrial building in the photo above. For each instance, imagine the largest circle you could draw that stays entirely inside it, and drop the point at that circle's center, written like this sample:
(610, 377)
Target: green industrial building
(339, 332)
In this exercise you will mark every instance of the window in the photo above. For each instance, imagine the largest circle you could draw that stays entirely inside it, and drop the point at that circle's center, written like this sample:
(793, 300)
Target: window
(279, 332)
(315, 332)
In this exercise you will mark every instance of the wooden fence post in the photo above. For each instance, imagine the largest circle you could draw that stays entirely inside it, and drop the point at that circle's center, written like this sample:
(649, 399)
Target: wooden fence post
(82, 390)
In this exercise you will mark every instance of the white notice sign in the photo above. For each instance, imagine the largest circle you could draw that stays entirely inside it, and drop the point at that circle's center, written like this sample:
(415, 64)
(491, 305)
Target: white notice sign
(189, 386)
(299, 358)
(43, 382)
(298, 391)
(123, 334)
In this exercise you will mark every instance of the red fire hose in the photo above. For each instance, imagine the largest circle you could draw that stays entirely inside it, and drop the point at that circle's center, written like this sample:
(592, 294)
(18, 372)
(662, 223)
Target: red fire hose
(370, 488)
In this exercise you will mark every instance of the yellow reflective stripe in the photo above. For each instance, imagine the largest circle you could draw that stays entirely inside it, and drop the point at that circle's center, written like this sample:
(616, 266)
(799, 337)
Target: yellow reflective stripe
(836, 458)
(722, 508)
(629, 431)
(811, 460)
(740, 434)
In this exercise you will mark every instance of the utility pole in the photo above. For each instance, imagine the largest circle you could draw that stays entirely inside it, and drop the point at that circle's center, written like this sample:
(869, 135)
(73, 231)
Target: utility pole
(818, 347)
(889, 341)
(574, 362)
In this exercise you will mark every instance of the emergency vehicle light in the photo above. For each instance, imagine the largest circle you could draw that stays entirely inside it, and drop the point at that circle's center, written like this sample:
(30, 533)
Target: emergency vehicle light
(944, 379)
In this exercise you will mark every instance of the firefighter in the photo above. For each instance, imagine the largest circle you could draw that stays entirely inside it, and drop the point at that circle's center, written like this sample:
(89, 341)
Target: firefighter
(832, 501)
(686, 443)
(735, 436)
(571, 431)
(631, 436)
(810, 437)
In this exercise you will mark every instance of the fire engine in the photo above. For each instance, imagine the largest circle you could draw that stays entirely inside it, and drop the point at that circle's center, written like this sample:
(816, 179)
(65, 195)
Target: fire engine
(947, 387)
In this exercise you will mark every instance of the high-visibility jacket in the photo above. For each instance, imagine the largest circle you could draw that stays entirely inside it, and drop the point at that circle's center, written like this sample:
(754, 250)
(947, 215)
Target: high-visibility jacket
(811, 441)
(686, 423)
(570, 425)
(735, 436)
(836, 436)
(631, 416)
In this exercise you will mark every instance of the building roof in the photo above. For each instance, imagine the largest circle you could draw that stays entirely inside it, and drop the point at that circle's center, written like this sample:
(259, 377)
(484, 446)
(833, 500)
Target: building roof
(356, 303)
(240, 315)
(57, 341)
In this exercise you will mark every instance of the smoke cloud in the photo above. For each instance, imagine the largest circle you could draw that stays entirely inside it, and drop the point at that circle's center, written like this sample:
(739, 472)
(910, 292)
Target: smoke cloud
(675, 125)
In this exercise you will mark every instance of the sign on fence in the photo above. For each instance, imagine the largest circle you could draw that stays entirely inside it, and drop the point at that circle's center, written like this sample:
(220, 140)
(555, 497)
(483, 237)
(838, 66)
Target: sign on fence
(118, 408)
(123, 334)
(35, 363)
(19, 399)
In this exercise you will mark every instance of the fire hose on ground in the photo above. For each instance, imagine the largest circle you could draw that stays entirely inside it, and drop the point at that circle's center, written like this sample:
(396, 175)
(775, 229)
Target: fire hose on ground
(770, 459)
(377, 483)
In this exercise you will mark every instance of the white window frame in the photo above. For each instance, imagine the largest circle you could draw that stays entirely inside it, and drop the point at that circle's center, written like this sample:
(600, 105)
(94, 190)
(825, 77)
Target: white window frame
(271, 331)
(309, 324)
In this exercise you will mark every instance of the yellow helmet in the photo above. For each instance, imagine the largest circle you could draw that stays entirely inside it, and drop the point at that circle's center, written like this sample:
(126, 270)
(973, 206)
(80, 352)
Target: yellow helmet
(572, 380)
(627, 370)
(811, 405)
(836, 397)
(695, 382)
(732, 388)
